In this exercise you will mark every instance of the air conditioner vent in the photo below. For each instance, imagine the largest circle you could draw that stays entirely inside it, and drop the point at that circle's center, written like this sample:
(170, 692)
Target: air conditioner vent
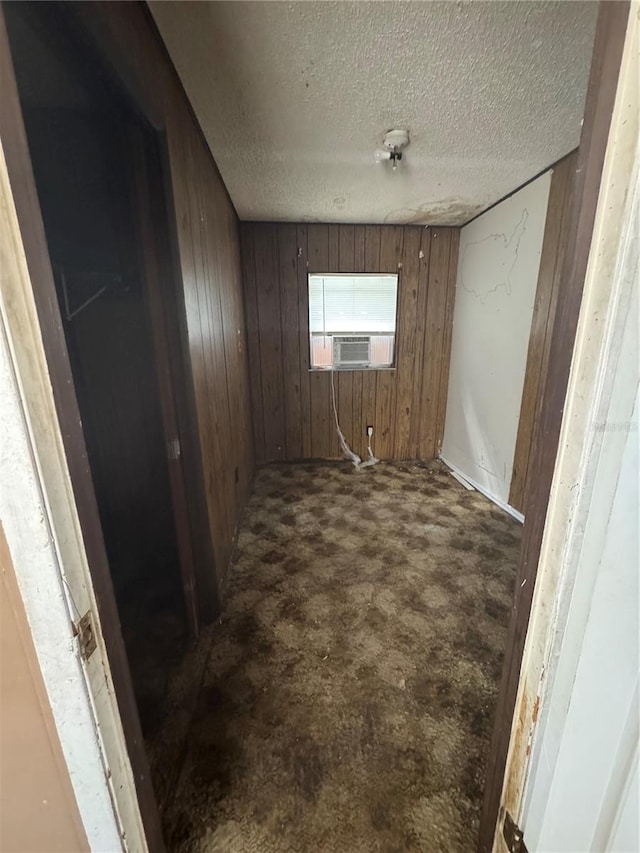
(352, 351)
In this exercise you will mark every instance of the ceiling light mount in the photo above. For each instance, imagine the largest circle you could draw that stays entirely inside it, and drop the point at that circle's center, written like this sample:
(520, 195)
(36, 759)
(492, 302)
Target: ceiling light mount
(393, 143)
(396, 140)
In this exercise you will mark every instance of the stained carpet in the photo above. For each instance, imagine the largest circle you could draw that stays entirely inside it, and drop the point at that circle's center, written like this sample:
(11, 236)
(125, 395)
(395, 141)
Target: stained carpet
(348, 698)
(166, 671)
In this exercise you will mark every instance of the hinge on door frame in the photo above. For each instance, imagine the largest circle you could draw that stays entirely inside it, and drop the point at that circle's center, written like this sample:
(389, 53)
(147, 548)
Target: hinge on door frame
(83, 630)
(513, 835)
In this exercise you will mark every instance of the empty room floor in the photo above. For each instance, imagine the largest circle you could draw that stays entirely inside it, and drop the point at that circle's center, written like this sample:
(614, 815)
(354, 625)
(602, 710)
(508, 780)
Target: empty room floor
(348, 698)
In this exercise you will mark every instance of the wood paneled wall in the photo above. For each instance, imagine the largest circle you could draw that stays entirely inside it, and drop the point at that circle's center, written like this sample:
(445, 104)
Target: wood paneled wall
(544, 312)
(292, 409)
(209, 259)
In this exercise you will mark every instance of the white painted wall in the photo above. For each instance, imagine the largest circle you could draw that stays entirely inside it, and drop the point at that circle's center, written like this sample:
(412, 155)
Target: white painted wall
(495, 293)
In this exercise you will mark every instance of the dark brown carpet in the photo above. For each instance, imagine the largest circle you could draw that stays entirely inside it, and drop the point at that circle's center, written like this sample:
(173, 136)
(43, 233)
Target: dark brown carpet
(166, 671)
(348, 698)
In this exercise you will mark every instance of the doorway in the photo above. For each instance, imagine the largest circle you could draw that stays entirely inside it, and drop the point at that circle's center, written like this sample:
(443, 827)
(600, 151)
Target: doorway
(97, 168)
(529, 585)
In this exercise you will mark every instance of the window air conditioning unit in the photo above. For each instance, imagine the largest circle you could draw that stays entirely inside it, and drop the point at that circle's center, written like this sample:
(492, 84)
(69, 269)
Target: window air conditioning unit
(352, 351)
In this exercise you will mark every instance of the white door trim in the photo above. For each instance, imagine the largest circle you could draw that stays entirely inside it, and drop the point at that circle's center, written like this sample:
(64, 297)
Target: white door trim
(592, 400)
(38, 513)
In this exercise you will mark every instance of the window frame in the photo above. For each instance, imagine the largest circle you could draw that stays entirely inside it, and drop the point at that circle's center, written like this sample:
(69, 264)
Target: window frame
(371, 368)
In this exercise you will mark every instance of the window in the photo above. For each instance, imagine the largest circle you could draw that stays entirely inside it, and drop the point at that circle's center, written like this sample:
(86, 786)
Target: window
(352, 320)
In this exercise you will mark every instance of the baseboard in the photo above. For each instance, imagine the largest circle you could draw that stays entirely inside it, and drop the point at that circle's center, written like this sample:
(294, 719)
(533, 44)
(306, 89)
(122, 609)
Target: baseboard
(497, 501)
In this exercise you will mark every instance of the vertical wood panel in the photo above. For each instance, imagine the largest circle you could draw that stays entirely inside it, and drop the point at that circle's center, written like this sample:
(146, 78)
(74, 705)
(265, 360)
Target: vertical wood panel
(270, 335)
(434, 338)
(288, 275)
(358, 439)
(253, 340)
(391, 244)
(205, 380)
(321, 426)
(334, 378)
(303, 315)
(551, 261)
(217, 401)
(447, 329)
(406, 342)
(423, 286)
(405, 404)
(229, 278)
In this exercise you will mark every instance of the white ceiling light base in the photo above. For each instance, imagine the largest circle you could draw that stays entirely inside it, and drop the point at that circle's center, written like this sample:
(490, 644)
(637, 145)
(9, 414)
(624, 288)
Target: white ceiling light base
(396, 140)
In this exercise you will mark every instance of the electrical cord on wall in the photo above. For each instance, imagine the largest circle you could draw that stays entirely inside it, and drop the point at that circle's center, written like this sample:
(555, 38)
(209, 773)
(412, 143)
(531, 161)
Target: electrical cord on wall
(347, 452)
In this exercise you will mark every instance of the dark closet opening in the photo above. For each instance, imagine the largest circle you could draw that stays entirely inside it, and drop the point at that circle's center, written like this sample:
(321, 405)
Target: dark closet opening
(95, 163)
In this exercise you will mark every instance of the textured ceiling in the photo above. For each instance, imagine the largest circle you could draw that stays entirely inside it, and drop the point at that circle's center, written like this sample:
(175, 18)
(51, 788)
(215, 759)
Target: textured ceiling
(294, 98)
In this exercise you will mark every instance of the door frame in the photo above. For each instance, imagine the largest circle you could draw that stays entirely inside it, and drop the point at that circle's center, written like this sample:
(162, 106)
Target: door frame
(87, 25)
(21, 178)
(47, 550)
(23, 188)
(605, 66)
(148, 220)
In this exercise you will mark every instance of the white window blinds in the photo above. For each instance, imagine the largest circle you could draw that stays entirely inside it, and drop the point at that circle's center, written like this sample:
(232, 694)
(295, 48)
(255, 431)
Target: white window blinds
(353, 304)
